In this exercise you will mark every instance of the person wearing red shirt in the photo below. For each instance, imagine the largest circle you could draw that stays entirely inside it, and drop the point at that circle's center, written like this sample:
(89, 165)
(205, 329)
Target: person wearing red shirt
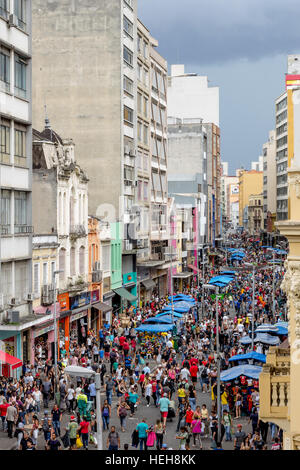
(125, 348)
(84, 428)
(3, 409)
(189, 416)
(194, 372)
(122, 340)
(193, 360)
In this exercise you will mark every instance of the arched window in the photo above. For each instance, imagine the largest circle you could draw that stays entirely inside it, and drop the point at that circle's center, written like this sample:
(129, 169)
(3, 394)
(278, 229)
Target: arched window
(72, 262)
(72, 207)
(62, 263)
(81, 260)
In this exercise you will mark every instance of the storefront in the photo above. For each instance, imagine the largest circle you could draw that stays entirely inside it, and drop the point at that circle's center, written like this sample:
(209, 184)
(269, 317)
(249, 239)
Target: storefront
(127, 299)
(44, 343)
(182, 281)
(9, 365)
(79, 327)
(145, 290)
(93, 317)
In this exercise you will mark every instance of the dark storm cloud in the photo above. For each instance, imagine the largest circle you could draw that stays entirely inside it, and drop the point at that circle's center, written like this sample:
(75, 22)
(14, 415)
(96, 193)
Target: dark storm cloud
(218, 31)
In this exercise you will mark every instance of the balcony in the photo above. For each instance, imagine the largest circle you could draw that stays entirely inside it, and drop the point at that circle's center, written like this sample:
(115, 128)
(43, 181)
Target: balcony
(77, 231)
(274, 388)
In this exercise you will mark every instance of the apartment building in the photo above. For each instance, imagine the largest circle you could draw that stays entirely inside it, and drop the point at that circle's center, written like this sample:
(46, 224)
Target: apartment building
(255, 214)
(15, 174)
(269, 182)
(281, 105)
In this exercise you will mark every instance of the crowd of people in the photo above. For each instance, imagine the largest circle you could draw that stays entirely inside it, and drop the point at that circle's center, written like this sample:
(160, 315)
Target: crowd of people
(174, 373)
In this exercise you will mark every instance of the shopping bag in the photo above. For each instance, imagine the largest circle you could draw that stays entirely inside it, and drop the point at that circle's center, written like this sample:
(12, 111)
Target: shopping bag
(78, 442)
(66, 440)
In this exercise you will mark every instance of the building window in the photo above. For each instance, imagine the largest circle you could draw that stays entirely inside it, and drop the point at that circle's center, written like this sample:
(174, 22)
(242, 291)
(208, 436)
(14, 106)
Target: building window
(145, 50)
(129, 3)
(20, 148)
(145, 140)
(128, 56)
(62, 263)
(72, 262)
(146, 190)
(140, 130)
(6, 281)
(128, 85)
(5, 212)
(139, 103)
(139, 41)
(4, 8)
(81, 260)
(5, 66)
(128, 115)
(20, 211)
(140, 184)
(20, 12)
(36, 279)
(145, 107)
(128, 27)
(45, 274)
(52, 270)
(4, 143)
(21, 279)
(20, 76)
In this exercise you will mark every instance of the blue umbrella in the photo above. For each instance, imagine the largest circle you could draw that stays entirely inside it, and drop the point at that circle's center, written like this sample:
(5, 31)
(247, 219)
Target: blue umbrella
(163, 319)
(252, 355)
(167, 312)
(155, 328)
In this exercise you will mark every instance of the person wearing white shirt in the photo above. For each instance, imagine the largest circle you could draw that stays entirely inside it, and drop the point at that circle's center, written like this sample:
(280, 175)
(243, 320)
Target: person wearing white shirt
(185, 373)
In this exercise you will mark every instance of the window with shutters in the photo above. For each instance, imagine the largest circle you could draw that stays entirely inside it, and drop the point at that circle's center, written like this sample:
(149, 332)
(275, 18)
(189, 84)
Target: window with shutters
(6, 282)
(20, 76)
(20, 211)
(20, 148)
(45, 274)
(4, 141)
(5, 204)
(21, 279)
(81, 260)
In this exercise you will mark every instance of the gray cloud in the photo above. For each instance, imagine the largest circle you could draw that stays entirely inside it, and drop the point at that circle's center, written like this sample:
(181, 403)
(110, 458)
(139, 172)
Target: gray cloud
(218, 31)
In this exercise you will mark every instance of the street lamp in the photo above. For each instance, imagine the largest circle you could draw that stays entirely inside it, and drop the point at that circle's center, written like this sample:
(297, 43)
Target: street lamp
(77, 371)
(216, 289)
(55, 273)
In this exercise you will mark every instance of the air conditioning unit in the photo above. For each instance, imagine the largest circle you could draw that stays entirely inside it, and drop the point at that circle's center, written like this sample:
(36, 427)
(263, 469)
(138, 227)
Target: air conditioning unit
(47, 295)
(97, 276)
(13, 20)
(13, 301)
(30, 297)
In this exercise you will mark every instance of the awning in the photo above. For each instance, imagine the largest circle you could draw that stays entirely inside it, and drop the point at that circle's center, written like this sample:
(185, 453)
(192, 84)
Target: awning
(102, 307)
(194, 268)
(182, 275)
(125, 294)
(148, 284)
(12, 361)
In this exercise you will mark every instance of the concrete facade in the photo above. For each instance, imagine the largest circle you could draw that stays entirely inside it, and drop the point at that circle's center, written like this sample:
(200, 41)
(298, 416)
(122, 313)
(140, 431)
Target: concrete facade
(190, 96)
(250, 182)
(269, 175)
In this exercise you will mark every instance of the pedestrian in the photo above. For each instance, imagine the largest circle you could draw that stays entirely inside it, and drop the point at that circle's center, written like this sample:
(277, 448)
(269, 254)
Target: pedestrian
(159, 431)
(84, 430)
(113, 439)
(106, 414)
(72, 429)
(239, 437)
(164, 404)
(142, 429)
(122, 413)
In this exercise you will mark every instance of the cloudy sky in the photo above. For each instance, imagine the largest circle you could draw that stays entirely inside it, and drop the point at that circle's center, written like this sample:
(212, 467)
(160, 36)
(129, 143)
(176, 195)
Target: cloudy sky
(242, 45)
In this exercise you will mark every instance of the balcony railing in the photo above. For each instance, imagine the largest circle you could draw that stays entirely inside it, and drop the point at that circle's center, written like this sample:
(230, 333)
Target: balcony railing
(77, 230)
(23, 229)
(274, 387)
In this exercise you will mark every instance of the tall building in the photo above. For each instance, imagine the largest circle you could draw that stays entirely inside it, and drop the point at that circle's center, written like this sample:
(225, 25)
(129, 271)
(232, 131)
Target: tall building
(255, 214)
(250, 182)
(258, 166)
(282, 156)
(269, 182)
(15, 177)
(190, 96)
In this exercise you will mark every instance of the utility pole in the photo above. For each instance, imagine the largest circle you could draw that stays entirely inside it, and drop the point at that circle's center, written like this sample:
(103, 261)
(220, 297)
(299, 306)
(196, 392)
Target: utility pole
(218, 366)
(253, 300)
(55, 273)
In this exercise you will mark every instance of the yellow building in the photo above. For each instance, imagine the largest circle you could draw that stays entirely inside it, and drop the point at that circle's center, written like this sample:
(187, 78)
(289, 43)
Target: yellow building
(250, 182)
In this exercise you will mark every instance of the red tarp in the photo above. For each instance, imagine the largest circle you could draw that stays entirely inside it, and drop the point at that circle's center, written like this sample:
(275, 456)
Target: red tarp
(12, 361)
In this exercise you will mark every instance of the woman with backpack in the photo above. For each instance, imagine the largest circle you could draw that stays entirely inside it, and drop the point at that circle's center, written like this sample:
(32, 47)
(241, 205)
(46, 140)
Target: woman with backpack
(106, 413)
(122, 413)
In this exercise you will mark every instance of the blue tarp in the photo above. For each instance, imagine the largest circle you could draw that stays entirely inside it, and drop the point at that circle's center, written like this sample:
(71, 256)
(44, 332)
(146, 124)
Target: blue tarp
(228, 273)
(168, 308)
(274, 329)
(167, 318)
(155, 328)
(183, 304)
(252, 355)
(182, 297)
(264, 338)
(167, 312)
(245, 369)
(163, 319)
(220, 281)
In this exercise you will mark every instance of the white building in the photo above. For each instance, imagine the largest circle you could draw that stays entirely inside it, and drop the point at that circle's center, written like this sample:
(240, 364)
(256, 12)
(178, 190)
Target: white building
(259, 165)
(190, 96)
(64, 187)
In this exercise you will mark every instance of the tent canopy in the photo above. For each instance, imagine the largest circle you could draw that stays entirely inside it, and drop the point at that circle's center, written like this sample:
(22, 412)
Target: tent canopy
(252, 355)
(245, 369)
(264, 338)
(12, 361)
(168, 312)
(125, 294)
(155, 328)
(164, 319)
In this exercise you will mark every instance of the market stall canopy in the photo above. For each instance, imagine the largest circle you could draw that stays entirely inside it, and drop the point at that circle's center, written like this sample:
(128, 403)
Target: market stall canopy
(163, 319)
(155, 328)
(252, 355)
(167, 312)
(228, 273)
(264, 338)
(248, 370)
(12, 361)
(266, 328)
(104, 308)
(125, 294)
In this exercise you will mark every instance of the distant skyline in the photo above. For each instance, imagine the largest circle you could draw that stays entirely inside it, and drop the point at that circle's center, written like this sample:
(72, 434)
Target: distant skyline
(242, 46)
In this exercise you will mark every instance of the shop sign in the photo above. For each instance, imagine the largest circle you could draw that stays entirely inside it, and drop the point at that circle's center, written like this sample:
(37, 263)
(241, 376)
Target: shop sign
(43, 331)
(95, 296)
(76, 316)
(80, 300)
(64, 301)
(129, 278)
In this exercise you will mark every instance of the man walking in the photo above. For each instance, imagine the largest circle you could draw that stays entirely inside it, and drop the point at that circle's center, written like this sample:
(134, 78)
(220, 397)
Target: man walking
(11, 418)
